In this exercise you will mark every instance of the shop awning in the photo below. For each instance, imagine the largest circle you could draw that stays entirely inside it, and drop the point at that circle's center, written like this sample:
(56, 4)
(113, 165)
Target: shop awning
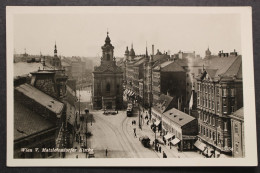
(201, 146)
(132, 93)
(168, 136)
(175, 141)
(157, 122)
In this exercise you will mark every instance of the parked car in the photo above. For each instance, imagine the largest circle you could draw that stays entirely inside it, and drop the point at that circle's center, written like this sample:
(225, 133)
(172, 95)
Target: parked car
(145, 140)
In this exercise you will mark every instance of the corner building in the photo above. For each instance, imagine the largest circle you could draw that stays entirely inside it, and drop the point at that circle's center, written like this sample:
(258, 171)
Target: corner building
(107, 92)
(220, 93)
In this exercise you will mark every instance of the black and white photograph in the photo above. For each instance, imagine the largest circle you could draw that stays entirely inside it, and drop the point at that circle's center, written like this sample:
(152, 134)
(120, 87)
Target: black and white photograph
(136, 86)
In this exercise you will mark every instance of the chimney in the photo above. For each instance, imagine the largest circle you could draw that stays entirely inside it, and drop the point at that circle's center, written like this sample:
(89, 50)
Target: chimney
(152, 49)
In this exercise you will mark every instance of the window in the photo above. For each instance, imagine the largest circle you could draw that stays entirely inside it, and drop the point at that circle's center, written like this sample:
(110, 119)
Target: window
(117, 89)
(108, 88)
(214, 137)
(213, 121)
(218, 106)
(213, 105)
(224, 92)
(236, 128)
(217, 90)
(225, 110)
(226, 142)
(108, 57)
(232, 90)
(237, 147)
(218, 138)
(210, 136)
(225, 126)
(207, 134)
(204, 130)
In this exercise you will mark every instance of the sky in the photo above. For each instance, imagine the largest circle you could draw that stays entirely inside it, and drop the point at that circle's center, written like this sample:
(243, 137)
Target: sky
(84, 34)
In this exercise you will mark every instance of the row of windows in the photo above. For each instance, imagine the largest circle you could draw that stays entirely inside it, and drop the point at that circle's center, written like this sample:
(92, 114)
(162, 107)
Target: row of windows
(208, 133)
(208, 104)
(208, 119)
(210, 89)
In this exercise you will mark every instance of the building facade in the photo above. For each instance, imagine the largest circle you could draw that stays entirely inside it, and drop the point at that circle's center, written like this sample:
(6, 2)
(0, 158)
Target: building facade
(237, 133)
(107, 92)
(219, 94)
(179, 129)
(169, 78)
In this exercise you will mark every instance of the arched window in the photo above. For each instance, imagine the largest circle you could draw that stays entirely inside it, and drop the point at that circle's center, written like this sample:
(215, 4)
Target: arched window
(108, 87)
(108, 57)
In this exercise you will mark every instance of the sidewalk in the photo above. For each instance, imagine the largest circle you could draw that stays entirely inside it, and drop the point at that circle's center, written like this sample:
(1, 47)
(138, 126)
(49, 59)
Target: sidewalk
(170, 152)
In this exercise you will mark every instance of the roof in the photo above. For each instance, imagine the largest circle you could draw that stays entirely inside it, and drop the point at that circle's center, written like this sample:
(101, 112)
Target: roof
(139, 62)
(230, 66)
(178, 117)
(163, 104)
(191, 62)
(169, 66)
(239, 113)
(27, 122)
(41, 98)
(159, 57)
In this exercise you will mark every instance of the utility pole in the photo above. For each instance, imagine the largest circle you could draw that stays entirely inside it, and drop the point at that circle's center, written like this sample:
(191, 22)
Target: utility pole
(79, 103)
(86, 111)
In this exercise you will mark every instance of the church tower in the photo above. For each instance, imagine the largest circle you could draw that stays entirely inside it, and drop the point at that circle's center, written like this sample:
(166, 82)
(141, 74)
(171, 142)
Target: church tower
(207, 52)
(132, 53)
(56, 62)
(126, 54)
(107, 92)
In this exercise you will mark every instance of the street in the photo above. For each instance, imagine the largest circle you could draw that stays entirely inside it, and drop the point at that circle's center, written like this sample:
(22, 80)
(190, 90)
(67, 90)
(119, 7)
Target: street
(115, 134)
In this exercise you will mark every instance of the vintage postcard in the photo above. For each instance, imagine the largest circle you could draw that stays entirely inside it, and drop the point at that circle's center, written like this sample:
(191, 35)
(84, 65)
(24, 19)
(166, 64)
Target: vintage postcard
(130, 86)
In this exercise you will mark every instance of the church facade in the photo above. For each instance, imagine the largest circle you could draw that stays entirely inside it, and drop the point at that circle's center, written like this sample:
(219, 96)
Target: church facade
(107, 91)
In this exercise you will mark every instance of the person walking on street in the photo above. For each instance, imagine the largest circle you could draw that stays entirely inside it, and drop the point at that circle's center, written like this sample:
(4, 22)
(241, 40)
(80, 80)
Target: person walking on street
(106, 152)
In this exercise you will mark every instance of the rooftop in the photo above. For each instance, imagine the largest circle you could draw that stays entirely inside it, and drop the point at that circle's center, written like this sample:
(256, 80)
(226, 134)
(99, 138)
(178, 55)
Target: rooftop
(169, 66)
(178, 117)
(41, 98)
(27, 122)
(239, 113)
(230, 66)
(163, 104)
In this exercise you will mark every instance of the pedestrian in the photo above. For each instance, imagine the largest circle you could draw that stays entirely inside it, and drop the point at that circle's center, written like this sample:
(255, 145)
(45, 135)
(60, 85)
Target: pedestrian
(77, 156)
(106, 152)
(164, 155)
(135, 135)
(147, 122)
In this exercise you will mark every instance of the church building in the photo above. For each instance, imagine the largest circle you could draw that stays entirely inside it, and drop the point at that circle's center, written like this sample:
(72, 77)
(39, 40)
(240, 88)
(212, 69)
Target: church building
(107, 92)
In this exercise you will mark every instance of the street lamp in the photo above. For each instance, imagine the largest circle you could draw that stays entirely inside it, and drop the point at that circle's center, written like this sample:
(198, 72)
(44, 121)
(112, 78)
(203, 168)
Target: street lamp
(86, 111)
